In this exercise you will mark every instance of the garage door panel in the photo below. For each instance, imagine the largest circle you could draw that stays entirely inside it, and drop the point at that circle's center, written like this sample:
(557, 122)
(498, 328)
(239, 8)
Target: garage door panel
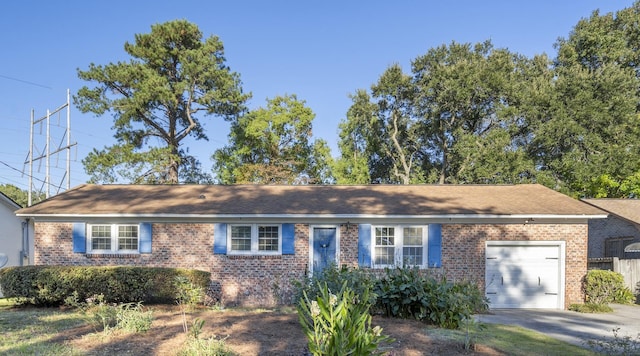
(523, 276)
(519, 253)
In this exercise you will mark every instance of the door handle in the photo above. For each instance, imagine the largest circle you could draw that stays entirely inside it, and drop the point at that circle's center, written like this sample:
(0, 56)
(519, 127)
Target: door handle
(538, 280)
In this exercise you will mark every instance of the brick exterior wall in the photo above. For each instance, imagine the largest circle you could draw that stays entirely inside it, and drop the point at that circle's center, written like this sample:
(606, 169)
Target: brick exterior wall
(267, 280)
(612, 227)
(463, 250)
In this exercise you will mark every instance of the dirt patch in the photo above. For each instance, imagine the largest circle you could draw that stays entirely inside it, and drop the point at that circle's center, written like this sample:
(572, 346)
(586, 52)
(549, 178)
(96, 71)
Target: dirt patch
(253, 332)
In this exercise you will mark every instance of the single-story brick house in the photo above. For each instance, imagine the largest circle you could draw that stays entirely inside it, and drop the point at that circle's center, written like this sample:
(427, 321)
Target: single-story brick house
(609, 237)
(526, 245)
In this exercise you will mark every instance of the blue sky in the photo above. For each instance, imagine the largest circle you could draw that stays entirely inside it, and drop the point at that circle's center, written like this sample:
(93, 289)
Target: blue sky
(319, 50)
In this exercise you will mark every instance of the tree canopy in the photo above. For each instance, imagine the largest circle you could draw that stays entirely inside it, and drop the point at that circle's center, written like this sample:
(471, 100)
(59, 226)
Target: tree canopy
(475, 114)
(272, 145)
(450, 121)
(158, 99)
(463, 113)
(21, 196)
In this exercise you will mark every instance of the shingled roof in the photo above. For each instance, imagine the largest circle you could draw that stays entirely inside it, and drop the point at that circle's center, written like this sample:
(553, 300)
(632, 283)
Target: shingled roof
(628, 209)
(311, 200)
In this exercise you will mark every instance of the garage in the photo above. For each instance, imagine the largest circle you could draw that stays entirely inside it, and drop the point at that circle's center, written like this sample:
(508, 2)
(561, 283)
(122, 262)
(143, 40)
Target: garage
(525, 274)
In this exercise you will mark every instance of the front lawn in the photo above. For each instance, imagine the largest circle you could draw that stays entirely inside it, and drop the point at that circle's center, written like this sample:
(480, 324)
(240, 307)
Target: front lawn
(60, 331)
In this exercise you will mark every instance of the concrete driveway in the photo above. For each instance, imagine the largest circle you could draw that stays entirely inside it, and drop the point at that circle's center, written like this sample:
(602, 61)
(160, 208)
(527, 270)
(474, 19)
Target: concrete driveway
(572, 327)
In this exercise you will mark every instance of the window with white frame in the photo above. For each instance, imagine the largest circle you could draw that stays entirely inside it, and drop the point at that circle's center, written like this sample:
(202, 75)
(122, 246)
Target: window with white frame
(113, 238)
(255, 239)
(400, 246)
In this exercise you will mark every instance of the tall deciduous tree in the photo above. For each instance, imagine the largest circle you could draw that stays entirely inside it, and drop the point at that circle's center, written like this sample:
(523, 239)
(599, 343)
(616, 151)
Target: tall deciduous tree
(352, 167)
(452, 121)
(158, 99)
(273, 145)
(465, 99)
(591, 140)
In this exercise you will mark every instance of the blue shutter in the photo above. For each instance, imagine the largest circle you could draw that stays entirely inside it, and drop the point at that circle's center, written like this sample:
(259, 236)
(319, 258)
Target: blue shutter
(220, 239)
(364, 245)
(288, 239)
(145, 238)
(435, 245)
(79, 238)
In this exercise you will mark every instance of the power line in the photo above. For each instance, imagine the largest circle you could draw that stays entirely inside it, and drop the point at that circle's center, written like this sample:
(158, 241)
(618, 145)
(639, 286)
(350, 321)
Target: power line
(26, 82)
(21, 172)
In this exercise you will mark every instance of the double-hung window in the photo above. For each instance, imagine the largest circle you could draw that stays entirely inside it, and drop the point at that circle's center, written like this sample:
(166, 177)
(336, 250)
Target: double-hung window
(255, 239)
(399, 245)
(113, 238)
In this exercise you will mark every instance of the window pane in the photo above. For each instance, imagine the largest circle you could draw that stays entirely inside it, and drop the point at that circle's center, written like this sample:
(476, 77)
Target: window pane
(128, 237)
(241, 238)
(412, 236)
(101, 231)
(412, 256)
(384, 256)
(128, 231)
(385, 236)
(101, 244)
(267, 238)
(101, 237)
(127, 244)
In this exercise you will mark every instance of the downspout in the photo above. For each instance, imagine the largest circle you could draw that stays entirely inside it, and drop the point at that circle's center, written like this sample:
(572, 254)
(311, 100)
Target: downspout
(25, 243)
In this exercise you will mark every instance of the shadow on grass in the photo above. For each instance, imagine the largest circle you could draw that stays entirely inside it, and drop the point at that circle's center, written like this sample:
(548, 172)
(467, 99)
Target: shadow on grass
(36, 331)
(514, 340)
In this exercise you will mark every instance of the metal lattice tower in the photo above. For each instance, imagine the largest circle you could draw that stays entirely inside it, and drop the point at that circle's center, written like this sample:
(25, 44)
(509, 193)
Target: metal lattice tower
(47, 153)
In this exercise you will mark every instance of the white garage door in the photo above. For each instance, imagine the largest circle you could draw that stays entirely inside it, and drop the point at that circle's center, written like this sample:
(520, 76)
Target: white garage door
(524, 275)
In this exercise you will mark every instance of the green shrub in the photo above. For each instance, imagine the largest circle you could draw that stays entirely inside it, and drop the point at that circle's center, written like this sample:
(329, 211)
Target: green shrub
(356, 279)
(339, 324)
(52, 285)
(590, 308)
(604, 287)
(406, 293)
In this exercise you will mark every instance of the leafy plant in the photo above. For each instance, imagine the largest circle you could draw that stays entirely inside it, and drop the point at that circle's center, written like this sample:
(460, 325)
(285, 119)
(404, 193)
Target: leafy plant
(334, 277)
(132, 317)
(129, 317)
(625, 345)
(405, 293)
(188, 296)
(339, 324)
(604, 287)
(196, 328)
(53, 285)
(472, 329)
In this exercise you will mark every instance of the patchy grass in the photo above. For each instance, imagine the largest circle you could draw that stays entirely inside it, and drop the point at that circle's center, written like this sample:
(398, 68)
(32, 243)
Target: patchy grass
(54, 331)
(590, 308)
(31, 331)
(514, 340)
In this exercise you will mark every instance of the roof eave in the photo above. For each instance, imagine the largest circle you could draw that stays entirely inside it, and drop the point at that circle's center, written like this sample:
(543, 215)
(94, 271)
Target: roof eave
(346, 217)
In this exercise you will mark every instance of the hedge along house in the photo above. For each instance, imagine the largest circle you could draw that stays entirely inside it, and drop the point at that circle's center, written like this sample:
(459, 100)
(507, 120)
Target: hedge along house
(525, 245)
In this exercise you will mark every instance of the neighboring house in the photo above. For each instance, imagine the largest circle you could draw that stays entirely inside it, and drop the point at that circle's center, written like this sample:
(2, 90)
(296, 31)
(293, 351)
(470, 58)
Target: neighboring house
(609, 237)
(16, 244)
(524, 244)
(12, 243)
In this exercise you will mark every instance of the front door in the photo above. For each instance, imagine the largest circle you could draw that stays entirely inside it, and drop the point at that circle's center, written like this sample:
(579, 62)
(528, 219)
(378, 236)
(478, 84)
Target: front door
(324, 248)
